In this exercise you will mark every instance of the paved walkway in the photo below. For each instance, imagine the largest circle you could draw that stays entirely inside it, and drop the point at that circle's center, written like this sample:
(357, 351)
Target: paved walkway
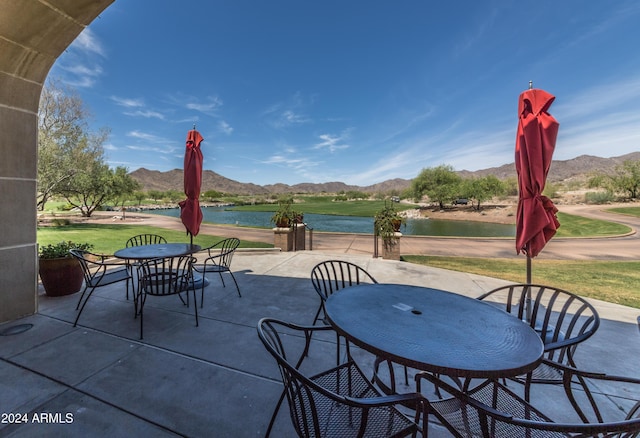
(612, 248)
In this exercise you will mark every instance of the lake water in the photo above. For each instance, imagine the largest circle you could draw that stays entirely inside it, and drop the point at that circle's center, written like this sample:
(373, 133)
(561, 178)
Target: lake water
(353, 224)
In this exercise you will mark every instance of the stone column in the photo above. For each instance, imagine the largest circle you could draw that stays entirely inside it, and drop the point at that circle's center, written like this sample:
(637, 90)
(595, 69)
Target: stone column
(32, 36)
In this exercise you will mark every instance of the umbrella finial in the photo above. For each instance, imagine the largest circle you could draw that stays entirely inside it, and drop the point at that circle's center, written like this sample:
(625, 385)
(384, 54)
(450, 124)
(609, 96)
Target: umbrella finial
(194, 125)
(530, 87)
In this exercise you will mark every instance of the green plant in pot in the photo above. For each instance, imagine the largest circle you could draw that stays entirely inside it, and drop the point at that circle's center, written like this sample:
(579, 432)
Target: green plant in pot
(60, 272)
(284, 216)
(387, 223)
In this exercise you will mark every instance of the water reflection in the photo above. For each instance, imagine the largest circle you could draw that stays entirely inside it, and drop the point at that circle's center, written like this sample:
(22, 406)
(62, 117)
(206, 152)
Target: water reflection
(353, 224)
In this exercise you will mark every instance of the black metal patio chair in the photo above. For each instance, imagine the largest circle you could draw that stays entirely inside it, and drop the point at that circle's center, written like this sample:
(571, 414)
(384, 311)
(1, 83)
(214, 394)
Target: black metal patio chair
(218, 261)
(330, 276)
(164, 277)
(562, 319)
(338, 402)
(607, 406)
(99, 272)
(145, 239)
(139, 240)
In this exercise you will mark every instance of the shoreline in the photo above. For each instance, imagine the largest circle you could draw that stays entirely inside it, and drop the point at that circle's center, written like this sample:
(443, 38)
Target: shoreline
(340, 244)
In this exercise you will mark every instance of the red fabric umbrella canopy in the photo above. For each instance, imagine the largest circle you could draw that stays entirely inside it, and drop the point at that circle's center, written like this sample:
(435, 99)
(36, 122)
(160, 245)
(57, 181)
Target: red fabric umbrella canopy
(190, 212)
(536, 221)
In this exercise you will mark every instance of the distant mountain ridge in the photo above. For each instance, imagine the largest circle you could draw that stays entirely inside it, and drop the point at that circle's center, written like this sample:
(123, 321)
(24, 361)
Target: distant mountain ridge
(578, 167)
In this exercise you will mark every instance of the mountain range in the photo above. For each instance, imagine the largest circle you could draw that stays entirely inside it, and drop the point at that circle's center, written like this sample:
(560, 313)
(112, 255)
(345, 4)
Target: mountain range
(560, 170)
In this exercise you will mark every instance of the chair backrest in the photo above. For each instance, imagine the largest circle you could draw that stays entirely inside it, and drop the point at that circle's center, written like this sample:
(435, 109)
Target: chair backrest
(145, 239)
(562, 319)
(303, 394)
(85, 263)
(166, 276)
(224, 250)
(332, 275)
(313, 402)
(593, 395)
(492, 409)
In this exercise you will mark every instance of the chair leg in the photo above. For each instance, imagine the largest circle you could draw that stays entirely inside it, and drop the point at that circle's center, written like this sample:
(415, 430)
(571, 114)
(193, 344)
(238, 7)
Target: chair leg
(195, 304)
(202, 290)
(141, 299)
(275, 414)
(234, 280)
(83, 304)
(82, 295)
(317, 317)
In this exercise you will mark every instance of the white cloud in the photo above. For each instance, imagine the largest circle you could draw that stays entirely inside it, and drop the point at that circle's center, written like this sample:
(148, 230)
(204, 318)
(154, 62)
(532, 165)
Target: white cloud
(146, 114)
(332, 142)
(127, 102)
(155, 149)
(88, 42)
(225, 127)
(210, 106)
(80, 64)
(290, 113)
(145, 136)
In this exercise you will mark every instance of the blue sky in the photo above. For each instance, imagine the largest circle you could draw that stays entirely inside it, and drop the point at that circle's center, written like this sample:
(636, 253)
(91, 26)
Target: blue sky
(355, 91)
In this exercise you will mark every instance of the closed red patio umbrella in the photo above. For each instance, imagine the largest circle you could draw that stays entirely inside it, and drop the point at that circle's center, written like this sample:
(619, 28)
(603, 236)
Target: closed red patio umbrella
(536, 221)
(190, 212)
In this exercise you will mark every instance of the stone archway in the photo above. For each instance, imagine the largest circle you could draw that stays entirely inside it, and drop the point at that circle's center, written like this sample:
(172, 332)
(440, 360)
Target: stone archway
(33, 33)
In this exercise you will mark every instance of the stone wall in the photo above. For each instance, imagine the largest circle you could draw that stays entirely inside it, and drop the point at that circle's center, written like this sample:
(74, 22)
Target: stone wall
(32, 36)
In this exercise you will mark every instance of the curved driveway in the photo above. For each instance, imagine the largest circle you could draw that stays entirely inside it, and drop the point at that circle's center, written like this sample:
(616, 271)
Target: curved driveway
(609, 248)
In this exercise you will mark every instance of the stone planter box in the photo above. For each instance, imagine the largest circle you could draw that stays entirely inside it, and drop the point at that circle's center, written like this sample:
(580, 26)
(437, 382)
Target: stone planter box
(391, 251)
(283, 238)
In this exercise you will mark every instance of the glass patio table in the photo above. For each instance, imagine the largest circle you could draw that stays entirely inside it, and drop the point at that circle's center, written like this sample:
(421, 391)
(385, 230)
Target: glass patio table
(434, 330)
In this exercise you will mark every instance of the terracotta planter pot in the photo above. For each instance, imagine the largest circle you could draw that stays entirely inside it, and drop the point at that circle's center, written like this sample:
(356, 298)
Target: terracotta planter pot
(61, 276)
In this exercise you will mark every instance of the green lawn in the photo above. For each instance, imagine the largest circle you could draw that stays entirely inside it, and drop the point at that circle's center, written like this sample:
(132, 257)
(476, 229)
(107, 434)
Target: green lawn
(611, 281)
(631, 211)
(107, 238)
(578, 226)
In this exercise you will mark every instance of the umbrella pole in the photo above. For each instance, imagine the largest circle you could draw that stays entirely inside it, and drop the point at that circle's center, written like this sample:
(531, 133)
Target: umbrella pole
(528, 303)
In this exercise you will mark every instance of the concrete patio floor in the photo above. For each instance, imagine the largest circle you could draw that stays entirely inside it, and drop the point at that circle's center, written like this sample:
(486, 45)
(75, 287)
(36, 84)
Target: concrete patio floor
(215, 380)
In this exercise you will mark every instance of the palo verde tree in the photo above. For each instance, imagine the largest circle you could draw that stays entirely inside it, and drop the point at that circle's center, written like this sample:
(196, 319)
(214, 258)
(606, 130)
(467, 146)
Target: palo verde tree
(123, 188)
(64, 139)
(441, 184)
(71, 159)
(482, 189)
(96, 183)
(625, 179)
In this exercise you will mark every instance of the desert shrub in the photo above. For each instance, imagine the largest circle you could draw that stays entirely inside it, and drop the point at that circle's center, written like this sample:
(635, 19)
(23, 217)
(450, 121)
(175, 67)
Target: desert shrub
(598, 197)
(60, 222)
(551, 190)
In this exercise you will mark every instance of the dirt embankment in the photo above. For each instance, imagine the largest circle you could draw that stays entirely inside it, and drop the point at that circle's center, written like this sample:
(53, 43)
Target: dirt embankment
(501, 214)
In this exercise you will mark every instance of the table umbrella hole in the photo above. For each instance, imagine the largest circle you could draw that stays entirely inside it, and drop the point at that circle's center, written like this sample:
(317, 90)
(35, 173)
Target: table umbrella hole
(16, 329)
(416, 312)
